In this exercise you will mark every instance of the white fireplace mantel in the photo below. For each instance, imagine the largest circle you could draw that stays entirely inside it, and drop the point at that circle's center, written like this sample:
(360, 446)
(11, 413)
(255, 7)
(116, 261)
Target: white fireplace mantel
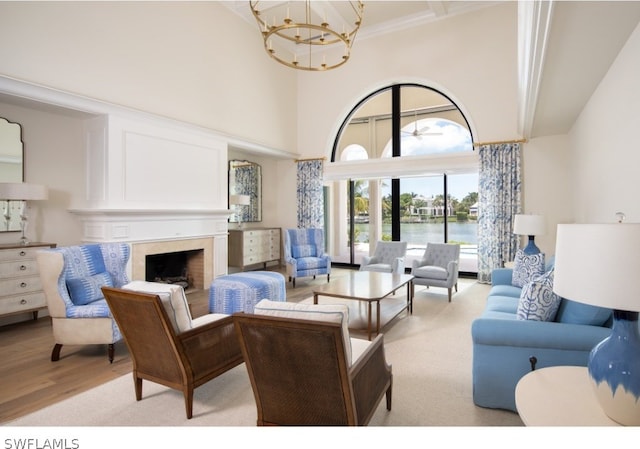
(136, 225)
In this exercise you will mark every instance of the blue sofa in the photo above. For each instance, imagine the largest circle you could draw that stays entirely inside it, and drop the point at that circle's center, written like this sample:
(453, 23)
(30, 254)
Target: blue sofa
(503, 345)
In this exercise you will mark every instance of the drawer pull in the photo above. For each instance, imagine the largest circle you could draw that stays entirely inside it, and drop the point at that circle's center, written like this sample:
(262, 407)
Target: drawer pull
(22, 268)
(23, 284)
(23, 253)
(23, 301)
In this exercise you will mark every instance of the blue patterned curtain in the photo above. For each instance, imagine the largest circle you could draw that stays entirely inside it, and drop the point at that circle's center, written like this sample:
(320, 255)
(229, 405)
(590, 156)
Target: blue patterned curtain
(310, 195)
(499, 200)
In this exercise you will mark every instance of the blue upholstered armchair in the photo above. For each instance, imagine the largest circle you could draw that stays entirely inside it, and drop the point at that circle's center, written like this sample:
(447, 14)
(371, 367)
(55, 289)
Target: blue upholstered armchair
(388, 257)
(72, 278)
(304, 253)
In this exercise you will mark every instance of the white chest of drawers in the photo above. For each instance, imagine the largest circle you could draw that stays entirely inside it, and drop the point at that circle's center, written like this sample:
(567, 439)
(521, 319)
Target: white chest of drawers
(253, 246)
(20, 286)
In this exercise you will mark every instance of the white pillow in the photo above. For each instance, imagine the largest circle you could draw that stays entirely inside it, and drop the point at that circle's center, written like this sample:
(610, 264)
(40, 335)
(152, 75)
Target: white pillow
(333, 313)
(173, 299)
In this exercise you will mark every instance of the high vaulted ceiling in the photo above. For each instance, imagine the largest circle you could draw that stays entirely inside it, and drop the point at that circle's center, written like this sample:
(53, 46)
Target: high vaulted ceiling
(574, 46)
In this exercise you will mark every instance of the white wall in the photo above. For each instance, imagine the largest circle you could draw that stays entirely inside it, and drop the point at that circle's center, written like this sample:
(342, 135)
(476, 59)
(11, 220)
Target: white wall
(54, 156)
(604, 144)
(192, 61)
(547, 185)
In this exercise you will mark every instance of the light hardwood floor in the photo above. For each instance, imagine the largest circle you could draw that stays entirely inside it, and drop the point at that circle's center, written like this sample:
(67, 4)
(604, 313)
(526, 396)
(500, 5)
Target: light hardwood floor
(30, 381)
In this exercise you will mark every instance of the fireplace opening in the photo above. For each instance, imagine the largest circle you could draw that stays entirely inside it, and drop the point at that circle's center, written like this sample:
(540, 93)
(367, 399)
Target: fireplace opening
(185, 268)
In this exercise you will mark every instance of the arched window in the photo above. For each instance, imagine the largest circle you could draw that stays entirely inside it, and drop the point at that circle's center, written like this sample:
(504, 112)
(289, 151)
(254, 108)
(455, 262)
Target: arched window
(354, 152)
(427, 197)
(432, 136)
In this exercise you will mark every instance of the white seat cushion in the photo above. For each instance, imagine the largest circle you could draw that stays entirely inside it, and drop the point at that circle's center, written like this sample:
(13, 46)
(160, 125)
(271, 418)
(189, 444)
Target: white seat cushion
(173, 299)
(333, 313)
(431, 272)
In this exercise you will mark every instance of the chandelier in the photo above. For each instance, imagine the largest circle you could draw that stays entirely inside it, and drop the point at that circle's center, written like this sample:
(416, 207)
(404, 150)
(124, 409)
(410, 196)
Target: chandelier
(306, 35)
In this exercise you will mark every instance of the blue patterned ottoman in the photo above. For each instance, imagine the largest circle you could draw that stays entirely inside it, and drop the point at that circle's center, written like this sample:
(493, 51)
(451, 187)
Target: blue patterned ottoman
(240, 292)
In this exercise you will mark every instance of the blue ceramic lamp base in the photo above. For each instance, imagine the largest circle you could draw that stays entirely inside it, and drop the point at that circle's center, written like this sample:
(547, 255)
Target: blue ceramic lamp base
(614, 369)
(531, 247)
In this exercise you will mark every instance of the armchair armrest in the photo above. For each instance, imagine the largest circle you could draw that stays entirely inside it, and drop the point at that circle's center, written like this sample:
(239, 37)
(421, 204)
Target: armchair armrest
(501, 276)
(452, 270)
(211, 347)
(398, 265)
(371, 374)
(368, 260)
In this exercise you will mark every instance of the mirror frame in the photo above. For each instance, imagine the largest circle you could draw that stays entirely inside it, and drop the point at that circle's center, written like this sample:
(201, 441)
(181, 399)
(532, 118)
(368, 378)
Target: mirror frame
(11, 210)
(245, 178)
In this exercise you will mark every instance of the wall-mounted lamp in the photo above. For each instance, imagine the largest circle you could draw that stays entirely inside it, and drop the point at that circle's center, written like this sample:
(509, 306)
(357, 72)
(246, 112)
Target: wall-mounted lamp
(21, 191)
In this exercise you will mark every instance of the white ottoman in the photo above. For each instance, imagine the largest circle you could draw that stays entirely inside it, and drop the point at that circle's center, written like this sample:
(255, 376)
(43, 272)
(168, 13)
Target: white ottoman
(240, 292)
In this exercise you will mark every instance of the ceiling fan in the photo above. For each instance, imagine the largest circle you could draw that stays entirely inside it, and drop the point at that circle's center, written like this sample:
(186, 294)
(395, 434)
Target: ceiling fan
(419, 132)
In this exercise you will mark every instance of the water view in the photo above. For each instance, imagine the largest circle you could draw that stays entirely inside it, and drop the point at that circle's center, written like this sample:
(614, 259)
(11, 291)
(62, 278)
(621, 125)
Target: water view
(417, 235)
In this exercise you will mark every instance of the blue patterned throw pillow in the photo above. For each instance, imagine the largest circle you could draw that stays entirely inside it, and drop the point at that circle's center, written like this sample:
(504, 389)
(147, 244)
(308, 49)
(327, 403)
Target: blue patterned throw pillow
(87, 289)
(537, 300)
(526, 267)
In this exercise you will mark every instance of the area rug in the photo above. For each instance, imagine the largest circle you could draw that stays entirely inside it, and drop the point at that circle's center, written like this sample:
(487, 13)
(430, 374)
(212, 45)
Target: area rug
(429, 350)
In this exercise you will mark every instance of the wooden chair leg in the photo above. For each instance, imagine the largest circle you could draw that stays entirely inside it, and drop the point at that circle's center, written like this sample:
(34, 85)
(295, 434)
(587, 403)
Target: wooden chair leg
(328, 277)
(188, 401)
(449, 289)
(388, 394)
(137, 385)
(55, 354)
(111, 351)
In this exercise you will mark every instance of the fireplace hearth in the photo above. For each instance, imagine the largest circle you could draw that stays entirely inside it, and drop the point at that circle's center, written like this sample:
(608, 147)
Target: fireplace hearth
(170, 268)
(185, 260)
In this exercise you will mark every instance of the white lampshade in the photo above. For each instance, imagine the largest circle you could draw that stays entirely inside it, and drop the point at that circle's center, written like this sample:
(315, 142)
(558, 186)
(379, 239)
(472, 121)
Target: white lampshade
(23, 191)
(597, 263)
(241, 200)
(529, 224)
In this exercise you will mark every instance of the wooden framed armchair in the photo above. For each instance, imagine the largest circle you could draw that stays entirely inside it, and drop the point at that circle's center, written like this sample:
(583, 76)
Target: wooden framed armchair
(306, 370)
(166, 345)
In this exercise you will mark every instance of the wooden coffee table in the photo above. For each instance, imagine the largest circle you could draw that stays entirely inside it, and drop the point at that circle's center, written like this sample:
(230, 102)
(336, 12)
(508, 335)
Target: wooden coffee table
(368, 286)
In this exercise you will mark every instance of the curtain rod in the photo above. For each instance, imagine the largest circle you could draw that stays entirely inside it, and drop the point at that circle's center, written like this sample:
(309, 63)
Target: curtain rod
(499, 142)
(311, 159)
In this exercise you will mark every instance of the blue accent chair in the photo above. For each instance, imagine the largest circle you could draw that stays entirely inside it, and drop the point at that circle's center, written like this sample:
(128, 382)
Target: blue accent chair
(304, 253)
(72, 278)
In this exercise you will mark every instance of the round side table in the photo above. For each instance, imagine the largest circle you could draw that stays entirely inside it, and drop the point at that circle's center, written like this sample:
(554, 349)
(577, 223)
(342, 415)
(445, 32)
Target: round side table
(559, 396)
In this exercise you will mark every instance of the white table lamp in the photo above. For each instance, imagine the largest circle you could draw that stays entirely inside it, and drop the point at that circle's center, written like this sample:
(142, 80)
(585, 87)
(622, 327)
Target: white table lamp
(22, 191)
(530, 225)
(596, 264)
(239, 201)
